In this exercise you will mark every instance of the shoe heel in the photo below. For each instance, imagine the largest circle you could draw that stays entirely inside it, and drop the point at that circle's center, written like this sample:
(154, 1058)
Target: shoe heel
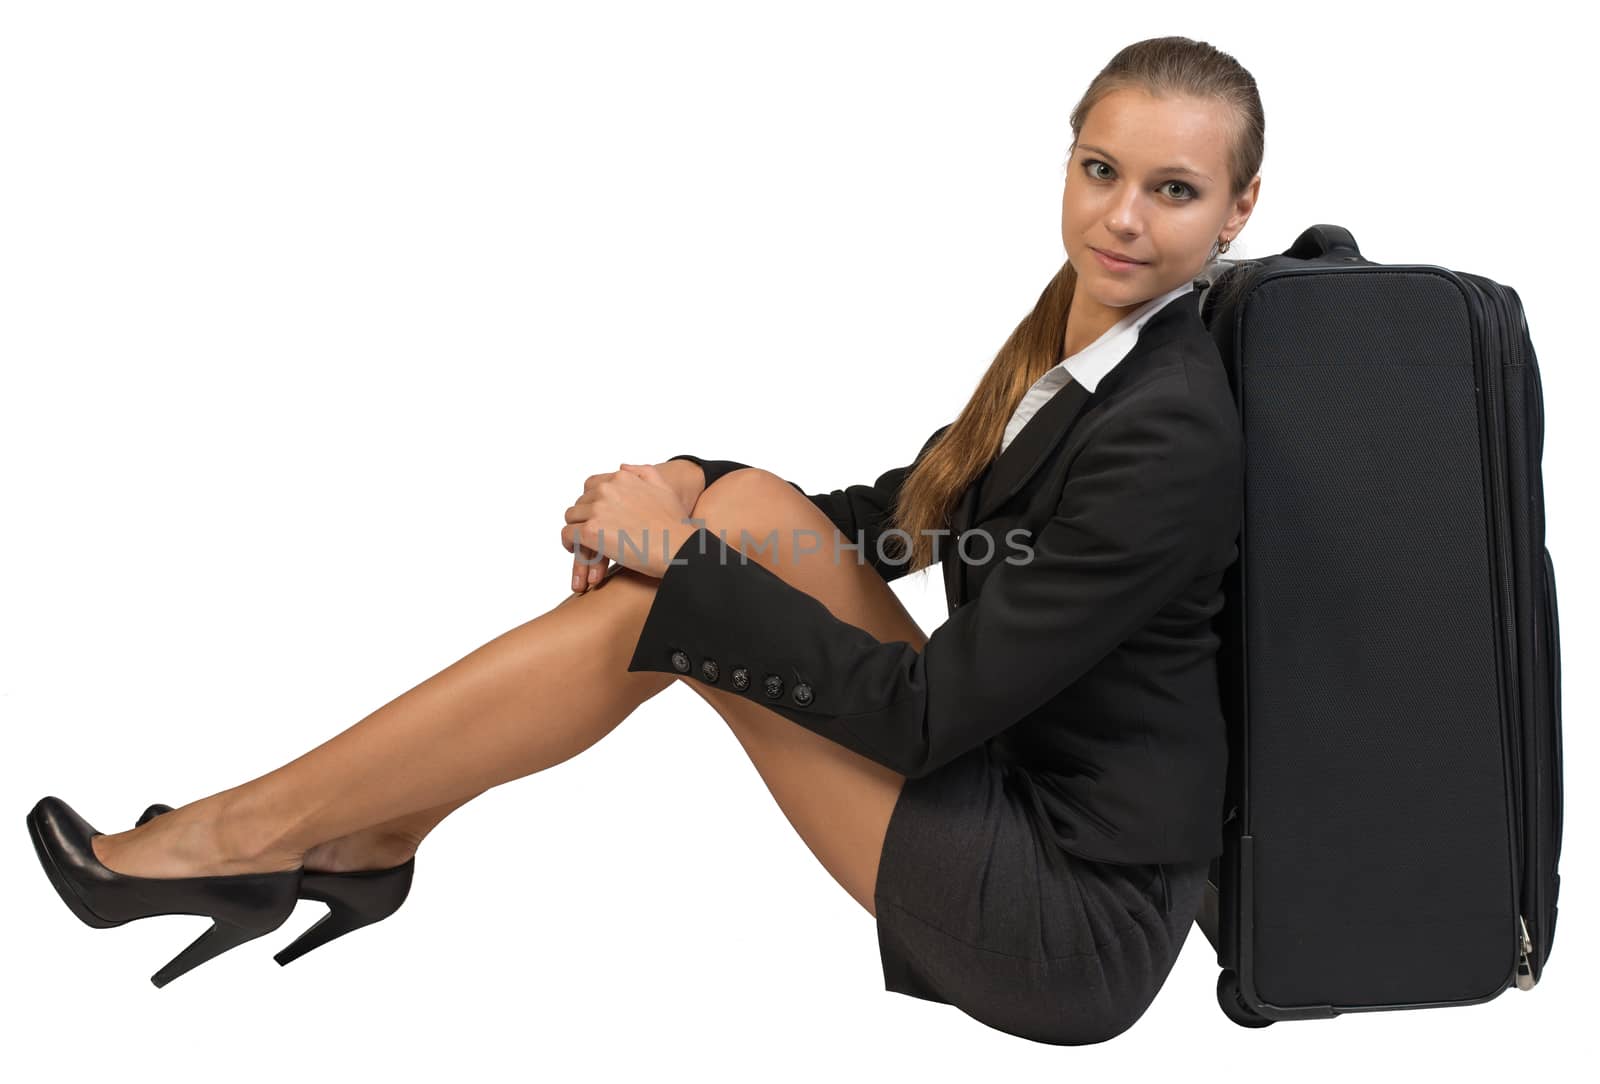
(336, 923)
(355, 899)
(221, 937)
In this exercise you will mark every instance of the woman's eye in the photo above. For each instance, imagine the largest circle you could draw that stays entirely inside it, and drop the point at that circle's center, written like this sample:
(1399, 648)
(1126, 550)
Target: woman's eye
(1092, 163)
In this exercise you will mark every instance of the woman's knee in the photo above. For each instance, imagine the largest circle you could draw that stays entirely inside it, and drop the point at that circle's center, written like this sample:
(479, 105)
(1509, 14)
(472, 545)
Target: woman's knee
(746, 484)
(757, 511)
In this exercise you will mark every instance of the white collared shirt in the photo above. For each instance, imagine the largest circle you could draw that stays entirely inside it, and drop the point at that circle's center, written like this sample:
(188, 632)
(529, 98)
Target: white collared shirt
(1091, 363)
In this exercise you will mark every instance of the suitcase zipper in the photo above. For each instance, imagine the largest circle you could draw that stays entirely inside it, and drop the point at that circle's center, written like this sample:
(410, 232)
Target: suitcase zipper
(1532, 807)
(1549, 671)
(1524, 968)
(1496, 317)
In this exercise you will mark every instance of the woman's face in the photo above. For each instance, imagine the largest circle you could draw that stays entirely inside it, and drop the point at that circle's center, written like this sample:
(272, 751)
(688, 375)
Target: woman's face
(1127, 191)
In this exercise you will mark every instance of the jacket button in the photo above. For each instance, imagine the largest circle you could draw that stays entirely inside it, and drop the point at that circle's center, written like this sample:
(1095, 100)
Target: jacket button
(708, 669)
(802, 694)
(680, 662)
(774, 686)
(741, 678)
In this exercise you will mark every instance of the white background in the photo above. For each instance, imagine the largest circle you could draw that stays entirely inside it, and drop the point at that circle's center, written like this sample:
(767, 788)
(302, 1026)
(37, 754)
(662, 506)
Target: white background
(315, 316)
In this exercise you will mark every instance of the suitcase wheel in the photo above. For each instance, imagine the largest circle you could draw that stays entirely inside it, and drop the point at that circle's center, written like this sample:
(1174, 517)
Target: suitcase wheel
(1232, 1002)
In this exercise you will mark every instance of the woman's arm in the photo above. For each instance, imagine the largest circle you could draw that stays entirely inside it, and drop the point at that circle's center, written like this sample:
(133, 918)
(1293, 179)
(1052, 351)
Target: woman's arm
(1152, 499)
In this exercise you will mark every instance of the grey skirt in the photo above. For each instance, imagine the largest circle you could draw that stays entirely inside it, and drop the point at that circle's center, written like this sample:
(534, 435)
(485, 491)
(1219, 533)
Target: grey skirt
(979, 909)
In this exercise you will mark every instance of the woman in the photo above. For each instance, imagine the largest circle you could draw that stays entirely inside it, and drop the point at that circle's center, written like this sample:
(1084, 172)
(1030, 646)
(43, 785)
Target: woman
(1027, 801)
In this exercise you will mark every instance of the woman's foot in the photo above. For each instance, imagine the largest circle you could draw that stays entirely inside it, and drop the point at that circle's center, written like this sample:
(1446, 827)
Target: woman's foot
(358, 851)
(196, 840)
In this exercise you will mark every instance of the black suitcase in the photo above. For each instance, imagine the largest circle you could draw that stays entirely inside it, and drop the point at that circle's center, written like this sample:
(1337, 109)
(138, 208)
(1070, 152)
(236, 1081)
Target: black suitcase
(1390, 654)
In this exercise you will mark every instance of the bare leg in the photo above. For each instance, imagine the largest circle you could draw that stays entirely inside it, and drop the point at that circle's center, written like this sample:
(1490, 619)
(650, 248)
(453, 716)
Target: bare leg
(382, 845)
(531, 698)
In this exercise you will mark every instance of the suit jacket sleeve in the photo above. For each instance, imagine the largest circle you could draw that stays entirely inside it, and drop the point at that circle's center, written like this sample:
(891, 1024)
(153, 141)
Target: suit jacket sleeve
(860, 512)
(1149, 502)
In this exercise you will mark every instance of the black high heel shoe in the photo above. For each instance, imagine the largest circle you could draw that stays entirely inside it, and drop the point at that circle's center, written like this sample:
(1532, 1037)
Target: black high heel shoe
(241, 906)
(355, 898)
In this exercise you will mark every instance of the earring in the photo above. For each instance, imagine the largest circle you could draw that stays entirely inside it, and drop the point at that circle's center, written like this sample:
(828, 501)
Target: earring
(1223, 245)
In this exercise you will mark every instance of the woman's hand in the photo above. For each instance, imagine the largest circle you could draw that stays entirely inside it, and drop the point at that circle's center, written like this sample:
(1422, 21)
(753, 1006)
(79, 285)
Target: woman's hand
(635, 508)
(687, 480)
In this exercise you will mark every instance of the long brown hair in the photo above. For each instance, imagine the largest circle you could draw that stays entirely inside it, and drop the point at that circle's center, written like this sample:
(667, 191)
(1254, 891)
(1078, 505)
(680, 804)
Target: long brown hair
(1162, 67)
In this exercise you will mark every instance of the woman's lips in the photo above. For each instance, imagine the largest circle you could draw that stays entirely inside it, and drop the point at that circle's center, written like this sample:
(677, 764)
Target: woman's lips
(1111, 263)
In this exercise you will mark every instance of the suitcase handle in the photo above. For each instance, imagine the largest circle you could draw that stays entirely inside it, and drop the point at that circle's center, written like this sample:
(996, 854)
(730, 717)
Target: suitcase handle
(1324, 241)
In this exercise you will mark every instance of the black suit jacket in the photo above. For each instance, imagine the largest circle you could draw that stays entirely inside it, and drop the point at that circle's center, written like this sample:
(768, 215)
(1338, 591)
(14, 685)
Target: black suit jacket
(1082, 651)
